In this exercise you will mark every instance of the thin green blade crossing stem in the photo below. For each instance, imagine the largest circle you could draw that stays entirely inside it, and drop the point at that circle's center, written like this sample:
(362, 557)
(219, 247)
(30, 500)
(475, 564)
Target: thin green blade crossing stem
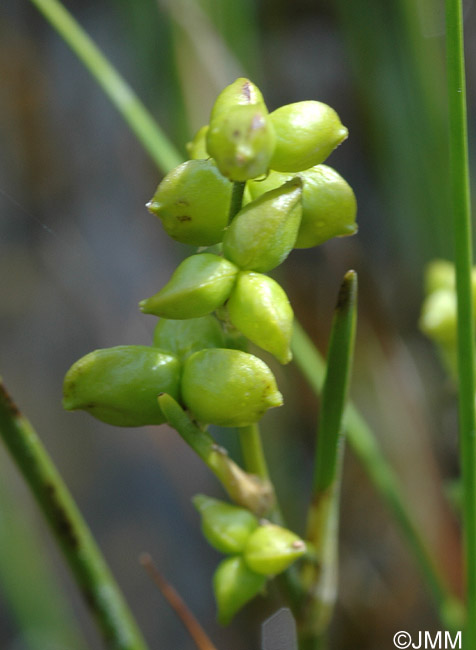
(334, 393)
(461, 204)
(366, 448)
(320, 579)
(85, 560)
(160, 149)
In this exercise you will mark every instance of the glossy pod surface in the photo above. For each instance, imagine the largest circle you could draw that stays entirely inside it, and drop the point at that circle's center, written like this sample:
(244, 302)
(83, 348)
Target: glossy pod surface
(329, 207)
(235, 584)
(230, 388)
(259, 308)
(184, 337)
(271, 549)
(192, 202)
(198, 286)
(226, 527)
(264, 232)
(306, 133)
(120, 385)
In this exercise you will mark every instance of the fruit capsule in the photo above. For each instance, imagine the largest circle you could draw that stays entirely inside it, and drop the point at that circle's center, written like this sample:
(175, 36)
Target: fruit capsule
(329, 207)
(260, 309)
(306, 133)
(439, 274)
(263, 233)
(229, 388)
(197, 148)
(438, 318)
(184, 337)
(271, 549)
(241, 141)
(234, 584)
(242, 92)
(120, 385)
(192, 202)
(199, 285)
(225, 526)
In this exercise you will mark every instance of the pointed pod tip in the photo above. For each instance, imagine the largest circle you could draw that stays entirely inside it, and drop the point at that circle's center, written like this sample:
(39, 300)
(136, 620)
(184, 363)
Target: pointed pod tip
(274, 399)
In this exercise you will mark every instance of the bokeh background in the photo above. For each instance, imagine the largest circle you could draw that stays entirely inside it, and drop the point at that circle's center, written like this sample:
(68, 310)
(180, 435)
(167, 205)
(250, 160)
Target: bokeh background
(78, 250)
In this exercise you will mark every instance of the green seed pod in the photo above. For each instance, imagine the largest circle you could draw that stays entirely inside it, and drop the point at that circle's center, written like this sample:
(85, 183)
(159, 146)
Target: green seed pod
(438, 319)
(234, 585)
(226, 527)
(184, 337)
(199, 285)
(263, 233)
(271, 549)
(120, 385)
(329, 207)
(230, 388)
(241, 141)
(306, 133)
(439, 274)
(240, 136)
(192, 202)
(260, 309)
(241, 92)
(197, 148)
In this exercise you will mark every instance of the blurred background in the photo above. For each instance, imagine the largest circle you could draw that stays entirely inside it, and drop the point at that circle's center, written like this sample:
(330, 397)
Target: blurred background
(78, 250)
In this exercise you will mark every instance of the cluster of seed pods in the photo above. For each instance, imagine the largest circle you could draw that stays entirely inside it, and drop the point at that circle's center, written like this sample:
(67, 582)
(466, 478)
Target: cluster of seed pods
(221, 297)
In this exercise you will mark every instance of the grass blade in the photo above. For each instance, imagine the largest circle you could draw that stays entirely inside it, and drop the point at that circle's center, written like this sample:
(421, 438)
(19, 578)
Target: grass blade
(85, 560)
(320, 578)
(157, 145)
(461, 204)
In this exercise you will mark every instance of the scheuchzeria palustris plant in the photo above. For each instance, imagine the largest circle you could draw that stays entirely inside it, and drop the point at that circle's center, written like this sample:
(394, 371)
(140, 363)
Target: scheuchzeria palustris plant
(254, 189)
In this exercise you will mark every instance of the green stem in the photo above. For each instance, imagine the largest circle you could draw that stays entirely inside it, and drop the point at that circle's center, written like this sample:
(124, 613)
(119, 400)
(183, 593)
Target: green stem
(461, 203)
(320, 579)
(252, 449)
(250, 491)
(236, 199)
(98, 587)
(334, 393)
(365, 446)
(162, 152)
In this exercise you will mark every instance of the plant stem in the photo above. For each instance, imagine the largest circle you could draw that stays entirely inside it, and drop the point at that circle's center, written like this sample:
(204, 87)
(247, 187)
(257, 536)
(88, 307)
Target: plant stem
(366, 447)
(162, 152)
(252, 448)
(461, 203)
(253, 492)
(320, 578)
(236, 199)
(98, 587)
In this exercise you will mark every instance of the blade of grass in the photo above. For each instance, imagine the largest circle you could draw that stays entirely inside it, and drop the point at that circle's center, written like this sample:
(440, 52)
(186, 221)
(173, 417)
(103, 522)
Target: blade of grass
(162, 152)
(320, 578)
(461, 203)
(30, 588)
(334, 392)
(84, 558)
(382, 476)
